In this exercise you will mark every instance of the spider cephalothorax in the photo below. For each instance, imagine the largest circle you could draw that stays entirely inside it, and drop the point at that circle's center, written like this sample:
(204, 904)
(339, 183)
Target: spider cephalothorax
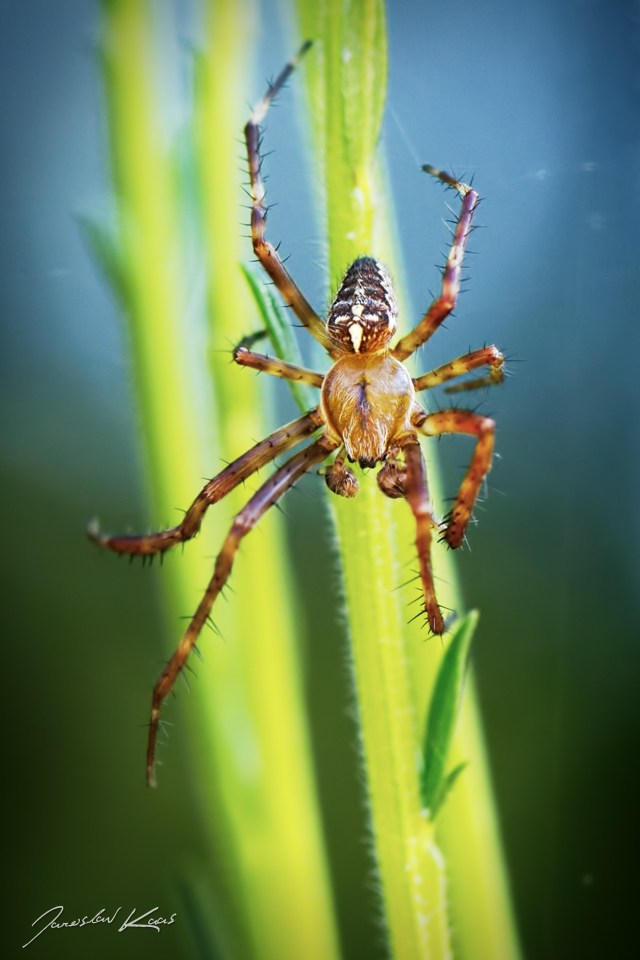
(367, 402)
(367, 412)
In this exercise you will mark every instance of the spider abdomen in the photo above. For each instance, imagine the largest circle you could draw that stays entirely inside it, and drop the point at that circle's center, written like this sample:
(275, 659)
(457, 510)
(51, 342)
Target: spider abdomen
(367, 400)
(364, 315)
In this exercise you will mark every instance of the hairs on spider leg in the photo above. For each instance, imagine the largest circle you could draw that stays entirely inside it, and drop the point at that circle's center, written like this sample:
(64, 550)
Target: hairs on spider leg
(420, 613)
(212, 625)
(145, 726)
(162, 724)
(406, 583)
(418, 599)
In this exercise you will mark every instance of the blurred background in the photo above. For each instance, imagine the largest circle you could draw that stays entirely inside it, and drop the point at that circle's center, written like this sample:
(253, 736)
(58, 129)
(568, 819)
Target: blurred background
(540, 102)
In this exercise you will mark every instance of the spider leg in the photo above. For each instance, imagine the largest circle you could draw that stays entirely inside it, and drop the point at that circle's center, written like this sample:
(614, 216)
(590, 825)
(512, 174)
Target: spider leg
(268, 494)
(462, 421)
(445, 303)
(277, 368)
(487, 356)
(263, 453)
(265, 251)
(415, 486)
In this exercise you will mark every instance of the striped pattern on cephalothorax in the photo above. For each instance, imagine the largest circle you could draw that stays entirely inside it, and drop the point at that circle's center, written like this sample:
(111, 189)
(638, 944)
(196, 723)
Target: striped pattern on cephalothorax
(364, 315)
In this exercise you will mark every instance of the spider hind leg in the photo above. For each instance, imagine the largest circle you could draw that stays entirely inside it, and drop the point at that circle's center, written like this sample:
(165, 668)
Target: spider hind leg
(417, 497)
(268, 495)
(261, 454)
(462, 421)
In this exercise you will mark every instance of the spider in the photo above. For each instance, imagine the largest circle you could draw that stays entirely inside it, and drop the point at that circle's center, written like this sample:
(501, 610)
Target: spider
(368, 412)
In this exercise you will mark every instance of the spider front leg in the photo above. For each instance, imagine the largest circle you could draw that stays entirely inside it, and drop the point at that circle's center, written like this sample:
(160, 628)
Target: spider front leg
(414, 482)
(260, 455)
(445, 303)
(487, 356)
(277, 368)
(244, 522)
(462, 421)
(265, 251)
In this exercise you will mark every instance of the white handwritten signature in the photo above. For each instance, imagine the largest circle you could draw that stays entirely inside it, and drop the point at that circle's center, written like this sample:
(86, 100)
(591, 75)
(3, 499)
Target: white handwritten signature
(152, 923)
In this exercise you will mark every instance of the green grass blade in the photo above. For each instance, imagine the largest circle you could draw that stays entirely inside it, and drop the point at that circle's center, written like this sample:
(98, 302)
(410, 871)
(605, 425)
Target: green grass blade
(105, 251)
(282, 339)
(446, 786)
(444, 708)
(410, 868)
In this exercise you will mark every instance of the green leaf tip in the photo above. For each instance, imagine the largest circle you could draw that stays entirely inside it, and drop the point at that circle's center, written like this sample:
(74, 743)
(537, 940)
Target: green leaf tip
(435, 784)
(105, 248)
(446, 787)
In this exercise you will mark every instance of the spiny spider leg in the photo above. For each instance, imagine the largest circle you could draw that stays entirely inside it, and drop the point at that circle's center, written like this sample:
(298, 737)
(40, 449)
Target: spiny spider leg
(244, 522)
(487, 356)
(462, 421)
(263, 453)
(445, 303)
(277, 368)
(415, 483)
(265, 252)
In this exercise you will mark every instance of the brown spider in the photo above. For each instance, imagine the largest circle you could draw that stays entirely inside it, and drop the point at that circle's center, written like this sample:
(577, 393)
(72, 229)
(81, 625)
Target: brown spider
(367, 412)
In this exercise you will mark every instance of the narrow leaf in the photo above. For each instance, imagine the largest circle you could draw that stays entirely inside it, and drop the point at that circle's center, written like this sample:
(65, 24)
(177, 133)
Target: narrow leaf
(443, 712)
(446, 787)
(281, 337)
(104, 246)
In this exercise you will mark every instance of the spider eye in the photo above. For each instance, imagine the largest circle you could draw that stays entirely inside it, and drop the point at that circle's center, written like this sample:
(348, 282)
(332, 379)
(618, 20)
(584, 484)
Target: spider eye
(363, 317)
